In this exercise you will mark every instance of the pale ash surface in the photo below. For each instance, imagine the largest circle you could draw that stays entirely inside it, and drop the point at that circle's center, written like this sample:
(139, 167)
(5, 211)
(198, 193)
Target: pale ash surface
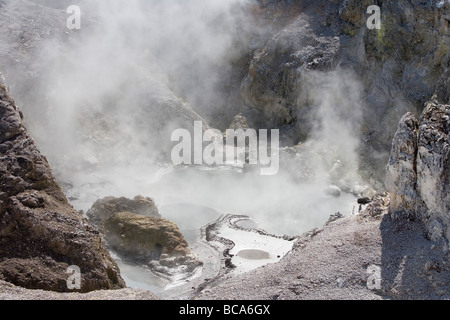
(356, 257)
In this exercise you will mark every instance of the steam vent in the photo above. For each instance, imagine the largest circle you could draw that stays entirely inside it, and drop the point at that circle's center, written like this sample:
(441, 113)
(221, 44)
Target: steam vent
(245, 150)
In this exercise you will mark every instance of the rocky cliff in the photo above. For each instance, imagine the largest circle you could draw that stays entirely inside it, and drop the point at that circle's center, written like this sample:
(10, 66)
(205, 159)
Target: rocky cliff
(399, 66)
(41, 234)
(418, 173)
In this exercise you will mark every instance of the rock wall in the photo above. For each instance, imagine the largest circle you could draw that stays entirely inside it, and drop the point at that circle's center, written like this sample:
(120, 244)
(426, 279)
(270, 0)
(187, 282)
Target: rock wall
(433, 169)
(41, 234)
(401, 177)
(418, 173)
(400, 66)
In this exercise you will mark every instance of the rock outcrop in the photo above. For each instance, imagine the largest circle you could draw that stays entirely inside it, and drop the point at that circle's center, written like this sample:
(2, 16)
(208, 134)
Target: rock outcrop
(41, 234)
(418, 173)
(401, 177)
(399, 66)
(154, 241)
(144, 238)
(134, 229)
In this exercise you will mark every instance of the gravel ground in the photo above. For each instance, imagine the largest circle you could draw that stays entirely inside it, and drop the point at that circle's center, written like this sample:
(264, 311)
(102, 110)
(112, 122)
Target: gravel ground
(11, 292)
(352, 258)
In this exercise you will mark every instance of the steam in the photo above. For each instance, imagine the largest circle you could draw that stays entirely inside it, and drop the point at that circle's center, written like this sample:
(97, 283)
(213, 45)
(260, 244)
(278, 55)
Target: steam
(336, 98)
(103, 101)
(113, 91)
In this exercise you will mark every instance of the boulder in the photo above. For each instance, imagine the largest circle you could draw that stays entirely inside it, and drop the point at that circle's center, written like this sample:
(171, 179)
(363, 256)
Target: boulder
(41, 234)
(150, 240)
(134, 229)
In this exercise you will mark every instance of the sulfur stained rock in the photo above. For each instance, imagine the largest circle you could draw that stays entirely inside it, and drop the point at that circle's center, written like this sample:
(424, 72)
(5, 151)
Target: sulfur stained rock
(144, 238)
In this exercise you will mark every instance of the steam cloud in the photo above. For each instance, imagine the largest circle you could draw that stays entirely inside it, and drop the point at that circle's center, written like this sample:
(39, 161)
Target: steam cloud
(102, 102)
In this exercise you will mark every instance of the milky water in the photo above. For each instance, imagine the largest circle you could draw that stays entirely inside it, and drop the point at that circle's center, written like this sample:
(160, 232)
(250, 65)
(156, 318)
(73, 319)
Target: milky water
(192, 197)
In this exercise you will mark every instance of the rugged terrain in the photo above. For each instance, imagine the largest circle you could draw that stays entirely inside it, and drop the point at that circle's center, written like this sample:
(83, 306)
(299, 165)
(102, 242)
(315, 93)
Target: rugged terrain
(360, 257)
(356, 99)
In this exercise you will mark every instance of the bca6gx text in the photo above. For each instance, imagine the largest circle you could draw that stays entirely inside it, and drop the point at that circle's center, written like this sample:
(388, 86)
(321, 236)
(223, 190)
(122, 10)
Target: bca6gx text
(237, 309)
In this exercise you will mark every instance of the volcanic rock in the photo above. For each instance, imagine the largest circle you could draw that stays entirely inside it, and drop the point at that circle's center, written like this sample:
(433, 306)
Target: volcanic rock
(41, 234)
(151, 240)
(419, 169)
(401, 177)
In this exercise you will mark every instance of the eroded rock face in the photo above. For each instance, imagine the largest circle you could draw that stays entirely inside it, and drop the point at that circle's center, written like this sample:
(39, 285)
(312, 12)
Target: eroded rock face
(401, 177)
(293, 45)
(41, 234)
(419, 169)
(399, 66)
(433, 169)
